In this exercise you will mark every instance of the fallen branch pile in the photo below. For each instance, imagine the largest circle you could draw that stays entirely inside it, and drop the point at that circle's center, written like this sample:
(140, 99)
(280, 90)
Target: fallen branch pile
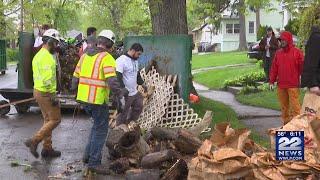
(161, 152)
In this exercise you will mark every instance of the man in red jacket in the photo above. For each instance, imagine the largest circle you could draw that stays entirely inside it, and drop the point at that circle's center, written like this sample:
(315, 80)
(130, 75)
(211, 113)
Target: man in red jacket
(286, 69)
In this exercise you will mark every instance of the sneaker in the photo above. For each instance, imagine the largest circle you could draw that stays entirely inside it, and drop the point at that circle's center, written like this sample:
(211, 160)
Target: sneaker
(50, 153)
(99, 170)
(32, 147)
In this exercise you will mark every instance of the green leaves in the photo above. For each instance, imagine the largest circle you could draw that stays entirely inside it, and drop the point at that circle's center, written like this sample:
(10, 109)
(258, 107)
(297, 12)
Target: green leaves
(249, 79)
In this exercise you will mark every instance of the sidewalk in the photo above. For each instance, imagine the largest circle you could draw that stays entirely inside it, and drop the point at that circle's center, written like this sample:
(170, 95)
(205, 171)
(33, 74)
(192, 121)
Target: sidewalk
(259, 119)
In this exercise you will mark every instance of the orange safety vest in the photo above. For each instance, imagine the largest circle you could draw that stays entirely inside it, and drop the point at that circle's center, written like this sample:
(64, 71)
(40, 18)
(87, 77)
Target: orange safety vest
(93, 71)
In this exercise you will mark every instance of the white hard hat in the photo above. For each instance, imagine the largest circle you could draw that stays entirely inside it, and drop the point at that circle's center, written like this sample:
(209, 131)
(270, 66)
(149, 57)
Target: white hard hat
(52, 33)
(108, 34)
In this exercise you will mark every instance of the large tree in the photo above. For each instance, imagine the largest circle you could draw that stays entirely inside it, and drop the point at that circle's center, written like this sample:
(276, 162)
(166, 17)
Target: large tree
(122, 16)
(168, 17)
(241, 8)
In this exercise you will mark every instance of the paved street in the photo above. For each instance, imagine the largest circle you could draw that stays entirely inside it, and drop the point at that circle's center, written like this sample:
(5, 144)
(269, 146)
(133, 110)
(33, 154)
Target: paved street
(69, 137)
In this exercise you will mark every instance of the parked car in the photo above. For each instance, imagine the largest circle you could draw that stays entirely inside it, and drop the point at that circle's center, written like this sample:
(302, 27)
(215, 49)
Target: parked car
(253, 52)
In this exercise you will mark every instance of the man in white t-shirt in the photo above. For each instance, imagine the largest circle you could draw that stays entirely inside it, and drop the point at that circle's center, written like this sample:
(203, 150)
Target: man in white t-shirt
(129, 77)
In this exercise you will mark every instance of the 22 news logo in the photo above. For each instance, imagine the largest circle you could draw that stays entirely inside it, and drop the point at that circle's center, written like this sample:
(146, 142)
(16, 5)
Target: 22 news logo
(290, 145)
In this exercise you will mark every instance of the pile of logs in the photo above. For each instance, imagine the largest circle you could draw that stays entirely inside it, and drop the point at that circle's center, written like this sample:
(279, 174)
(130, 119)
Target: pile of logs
(68, 60)
(159, 153)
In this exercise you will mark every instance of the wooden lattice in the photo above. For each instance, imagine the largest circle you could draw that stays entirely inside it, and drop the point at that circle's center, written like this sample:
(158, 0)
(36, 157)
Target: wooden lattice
(156, 105)
(165, 108)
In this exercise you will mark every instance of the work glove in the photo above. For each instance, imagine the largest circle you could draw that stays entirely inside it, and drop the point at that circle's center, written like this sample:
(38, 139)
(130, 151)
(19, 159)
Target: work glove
(315, 90)
(121, 102)
(145, 88)
(123, 93)
(54, 101)
(271, 87)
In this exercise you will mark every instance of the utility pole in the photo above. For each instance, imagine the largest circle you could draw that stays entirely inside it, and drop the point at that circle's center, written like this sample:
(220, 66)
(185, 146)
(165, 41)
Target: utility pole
(21, 18)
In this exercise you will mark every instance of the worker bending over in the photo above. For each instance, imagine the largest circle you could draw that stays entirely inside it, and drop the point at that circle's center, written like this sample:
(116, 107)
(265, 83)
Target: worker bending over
(129, 78)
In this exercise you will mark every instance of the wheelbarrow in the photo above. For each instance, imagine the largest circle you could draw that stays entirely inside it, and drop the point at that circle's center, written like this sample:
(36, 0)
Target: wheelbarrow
(21, 99)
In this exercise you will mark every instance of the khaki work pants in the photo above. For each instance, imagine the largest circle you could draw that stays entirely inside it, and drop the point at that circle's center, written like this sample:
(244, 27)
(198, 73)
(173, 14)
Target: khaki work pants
(289, 103)
(51, 116)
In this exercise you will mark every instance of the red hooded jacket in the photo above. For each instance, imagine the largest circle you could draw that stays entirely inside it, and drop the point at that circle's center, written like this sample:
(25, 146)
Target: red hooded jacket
(287, 64)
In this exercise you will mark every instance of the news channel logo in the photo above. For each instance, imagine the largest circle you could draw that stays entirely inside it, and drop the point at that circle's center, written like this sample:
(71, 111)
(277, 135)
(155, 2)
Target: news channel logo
(290, 145)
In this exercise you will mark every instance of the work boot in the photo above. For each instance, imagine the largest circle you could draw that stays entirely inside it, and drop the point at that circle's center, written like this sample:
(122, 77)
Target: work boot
(99, 170)
(50, 153)
(32, 147)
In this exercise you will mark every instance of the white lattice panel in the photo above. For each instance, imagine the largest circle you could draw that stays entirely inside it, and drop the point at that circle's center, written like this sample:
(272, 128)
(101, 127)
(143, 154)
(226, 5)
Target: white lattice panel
(155, 107)
(179, 114)
(164, 108)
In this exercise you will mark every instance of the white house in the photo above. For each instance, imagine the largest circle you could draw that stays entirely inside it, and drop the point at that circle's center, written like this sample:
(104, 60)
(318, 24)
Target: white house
(226, 37)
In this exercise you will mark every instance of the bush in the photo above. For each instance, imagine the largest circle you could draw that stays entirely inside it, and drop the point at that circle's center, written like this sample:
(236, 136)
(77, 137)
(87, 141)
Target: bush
(12, 55)
(259, 64)
(309, 18)
(249, 79)
(262, 31)
(254, 89)
(292, 26)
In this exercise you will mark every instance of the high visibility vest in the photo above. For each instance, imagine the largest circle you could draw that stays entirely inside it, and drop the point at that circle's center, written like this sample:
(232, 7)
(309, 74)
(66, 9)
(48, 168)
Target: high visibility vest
(44, 71)
(93, 71)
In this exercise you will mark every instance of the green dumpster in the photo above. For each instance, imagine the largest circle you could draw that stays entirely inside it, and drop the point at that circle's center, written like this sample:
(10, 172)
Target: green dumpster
(170, 54)
(25, 80)
(3, 57)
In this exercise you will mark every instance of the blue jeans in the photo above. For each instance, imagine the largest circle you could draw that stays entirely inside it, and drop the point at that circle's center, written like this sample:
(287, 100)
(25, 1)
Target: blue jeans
(98, 134)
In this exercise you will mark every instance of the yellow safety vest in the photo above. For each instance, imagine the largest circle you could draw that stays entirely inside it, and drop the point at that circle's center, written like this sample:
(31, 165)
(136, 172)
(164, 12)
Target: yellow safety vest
(44, 71)
(93, 72)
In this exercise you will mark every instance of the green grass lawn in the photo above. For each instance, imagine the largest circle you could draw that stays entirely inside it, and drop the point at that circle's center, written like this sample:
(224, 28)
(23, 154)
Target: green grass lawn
(223, 113)
(214, 79)
(219, 59)
(267, 99)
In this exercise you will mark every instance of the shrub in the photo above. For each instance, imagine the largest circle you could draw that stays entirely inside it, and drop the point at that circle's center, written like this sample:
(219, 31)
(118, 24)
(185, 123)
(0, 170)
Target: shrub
(12, 54)
(254, 89)
(262, 31)
(249, 79)
(259, 64)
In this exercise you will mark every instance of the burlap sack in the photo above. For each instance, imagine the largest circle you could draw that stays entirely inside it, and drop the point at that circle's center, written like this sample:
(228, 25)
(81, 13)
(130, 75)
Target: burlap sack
(311, 104)
(223, 136)
(226, 163)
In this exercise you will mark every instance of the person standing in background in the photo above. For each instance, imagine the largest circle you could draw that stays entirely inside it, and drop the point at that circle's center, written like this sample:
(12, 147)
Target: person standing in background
(268, 45)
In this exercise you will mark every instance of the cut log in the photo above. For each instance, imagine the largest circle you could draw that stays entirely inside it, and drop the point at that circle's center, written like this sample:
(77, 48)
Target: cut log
(161, 133)
(187, 142)
(154, 160)
(125, 141)
(143, 174)
(179, 171)
(206, 121)
(120, 166)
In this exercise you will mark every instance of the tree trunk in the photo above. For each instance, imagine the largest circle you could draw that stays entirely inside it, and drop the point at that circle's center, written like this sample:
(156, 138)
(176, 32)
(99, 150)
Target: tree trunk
(242, 35)
(187, 142)
(257, 20)
(154, 160)
(2, 22)
(168, 17)
(21, 16)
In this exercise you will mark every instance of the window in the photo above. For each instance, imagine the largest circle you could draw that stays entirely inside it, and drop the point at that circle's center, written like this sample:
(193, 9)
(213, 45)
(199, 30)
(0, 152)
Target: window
(236, 28)
(229, 28)
(251, 27)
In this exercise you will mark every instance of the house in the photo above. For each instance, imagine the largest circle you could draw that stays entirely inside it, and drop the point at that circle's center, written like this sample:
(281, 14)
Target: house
(226, 37)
